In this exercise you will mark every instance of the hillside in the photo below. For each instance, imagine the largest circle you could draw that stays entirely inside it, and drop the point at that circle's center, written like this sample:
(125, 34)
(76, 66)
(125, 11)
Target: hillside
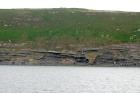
(68, 28)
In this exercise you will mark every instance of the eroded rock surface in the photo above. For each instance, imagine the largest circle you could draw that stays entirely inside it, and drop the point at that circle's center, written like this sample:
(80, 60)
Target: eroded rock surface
(113, 55)
(120, 55)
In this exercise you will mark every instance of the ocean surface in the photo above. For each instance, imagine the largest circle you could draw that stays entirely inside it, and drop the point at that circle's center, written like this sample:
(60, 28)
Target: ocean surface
(69, 79)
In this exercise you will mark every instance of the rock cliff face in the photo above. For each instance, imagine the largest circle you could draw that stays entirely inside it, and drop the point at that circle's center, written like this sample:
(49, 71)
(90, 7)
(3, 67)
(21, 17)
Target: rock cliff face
(39, 57)
(113, 55)
(119, 55)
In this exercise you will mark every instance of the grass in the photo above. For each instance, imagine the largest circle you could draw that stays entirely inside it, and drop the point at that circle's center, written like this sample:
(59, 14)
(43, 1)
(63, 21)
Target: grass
(69, 28)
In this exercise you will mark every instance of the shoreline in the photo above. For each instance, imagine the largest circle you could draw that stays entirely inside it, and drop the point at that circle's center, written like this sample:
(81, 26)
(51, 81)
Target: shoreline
(119, 55)
(71, 66)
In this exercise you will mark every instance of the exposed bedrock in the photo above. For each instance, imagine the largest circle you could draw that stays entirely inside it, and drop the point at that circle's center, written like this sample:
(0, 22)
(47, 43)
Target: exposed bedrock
(113, 55)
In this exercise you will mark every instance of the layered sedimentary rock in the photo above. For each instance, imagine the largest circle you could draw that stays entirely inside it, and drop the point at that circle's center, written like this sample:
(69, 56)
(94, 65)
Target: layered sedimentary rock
(37, 57)
(119, 55)
(113, 55)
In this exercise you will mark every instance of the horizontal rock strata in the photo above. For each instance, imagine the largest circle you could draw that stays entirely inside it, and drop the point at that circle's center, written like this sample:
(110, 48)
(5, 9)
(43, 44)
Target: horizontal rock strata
(113, 55)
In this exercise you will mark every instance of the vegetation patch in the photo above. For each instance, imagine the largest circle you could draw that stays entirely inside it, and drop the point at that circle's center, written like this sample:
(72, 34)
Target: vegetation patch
(68, 28)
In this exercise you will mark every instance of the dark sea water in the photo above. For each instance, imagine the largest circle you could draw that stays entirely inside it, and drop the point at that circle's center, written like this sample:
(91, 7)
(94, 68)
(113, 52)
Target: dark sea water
(61, 79)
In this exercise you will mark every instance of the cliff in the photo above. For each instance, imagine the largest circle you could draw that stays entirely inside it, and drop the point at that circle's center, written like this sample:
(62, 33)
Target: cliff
(111, 55)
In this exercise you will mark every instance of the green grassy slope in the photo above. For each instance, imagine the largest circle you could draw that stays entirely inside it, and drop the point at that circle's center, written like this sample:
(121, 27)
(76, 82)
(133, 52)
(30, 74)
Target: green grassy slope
(69, 27)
